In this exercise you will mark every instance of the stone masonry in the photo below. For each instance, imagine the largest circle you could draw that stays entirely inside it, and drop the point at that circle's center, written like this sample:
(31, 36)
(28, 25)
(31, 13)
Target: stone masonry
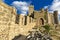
(12, 24)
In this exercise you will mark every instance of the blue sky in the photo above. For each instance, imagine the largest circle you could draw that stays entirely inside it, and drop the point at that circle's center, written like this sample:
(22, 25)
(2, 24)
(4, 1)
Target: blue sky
(22, 5)
(37, 3)
(52, 5)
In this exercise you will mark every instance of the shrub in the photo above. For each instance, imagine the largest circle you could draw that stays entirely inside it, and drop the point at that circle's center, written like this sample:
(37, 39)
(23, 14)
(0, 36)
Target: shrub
(47, 28)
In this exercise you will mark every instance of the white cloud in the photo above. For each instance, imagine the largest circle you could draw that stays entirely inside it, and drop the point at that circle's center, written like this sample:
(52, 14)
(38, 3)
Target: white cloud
(21, 6)
(55, 6)
(45, 7)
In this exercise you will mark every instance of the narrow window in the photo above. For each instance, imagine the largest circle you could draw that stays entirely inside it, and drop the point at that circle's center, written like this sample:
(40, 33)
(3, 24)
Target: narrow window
(22, 20)
(17, 19)
(30, 19)
(25, 23)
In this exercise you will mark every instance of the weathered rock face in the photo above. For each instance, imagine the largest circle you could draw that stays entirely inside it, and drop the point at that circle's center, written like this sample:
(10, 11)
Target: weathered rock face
(4, 22)
(37, 35)
(55, 33)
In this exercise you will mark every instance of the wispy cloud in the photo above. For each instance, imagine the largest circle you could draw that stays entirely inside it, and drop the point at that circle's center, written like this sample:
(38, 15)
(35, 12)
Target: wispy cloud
(22, 7)
(55, 6)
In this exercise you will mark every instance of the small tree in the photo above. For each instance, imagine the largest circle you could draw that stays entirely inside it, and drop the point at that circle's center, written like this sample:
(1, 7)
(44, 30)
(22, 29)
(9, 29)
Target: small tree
(47, 28)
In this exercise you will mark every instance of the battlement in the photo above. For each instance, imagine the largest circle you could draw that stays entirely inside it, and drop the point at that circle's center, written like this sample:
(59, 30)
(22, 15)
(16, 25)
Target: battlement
(42, 10)
(31, 6)
(31, 9)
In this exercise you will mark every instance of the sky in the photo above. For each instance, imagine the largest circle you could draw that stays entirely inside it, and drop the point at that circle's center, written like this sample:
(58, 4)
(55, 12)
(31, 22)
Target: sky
(22, 5)
(37, 3)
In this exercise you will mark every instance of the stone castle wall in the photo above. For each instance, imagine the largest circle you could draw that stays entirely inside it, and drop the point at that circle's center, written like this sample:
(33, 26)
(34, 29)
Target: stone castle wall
(12, 24)
(8, 28)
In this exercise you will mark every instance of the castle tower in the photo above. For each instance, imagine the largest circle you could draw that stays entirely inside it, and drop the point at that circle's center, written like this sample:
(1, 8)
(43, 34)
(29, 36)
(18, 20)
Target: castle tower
(42, 10)
(31, 9)
(55, 17)
(46, 15)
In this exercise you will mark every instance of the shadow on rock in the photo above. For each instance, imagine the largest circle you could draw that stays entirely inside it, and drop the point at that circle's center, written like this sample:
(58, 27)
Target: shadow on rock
(20, 37)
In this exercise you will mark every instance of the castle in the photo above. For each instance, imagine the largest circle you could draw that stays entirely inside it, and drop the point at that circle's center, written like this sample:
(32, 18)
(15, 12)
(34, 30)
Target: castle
(12, 24)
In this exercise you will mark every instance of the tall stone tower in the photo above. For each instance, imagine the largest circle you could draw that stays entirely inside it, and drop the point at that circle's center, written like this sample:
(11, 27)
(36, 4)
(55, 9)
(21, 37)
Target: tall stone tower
(31, 9)
(55, 17)
(46, 15)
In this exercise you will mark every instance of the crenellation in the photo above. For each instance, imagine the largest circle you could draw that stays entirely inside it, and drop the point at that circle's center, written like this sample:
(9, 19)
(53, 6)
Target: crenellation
(31, 9)
(42, 10)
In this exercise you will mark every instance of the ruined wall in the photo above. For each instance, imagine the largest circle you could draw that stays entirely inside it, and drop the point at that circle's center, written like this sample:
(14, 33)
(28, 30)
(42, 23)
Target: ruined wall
(53, 18)
(8, 26)
(50, 18)
(21, 28)
(39, 16)
(5, 15)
